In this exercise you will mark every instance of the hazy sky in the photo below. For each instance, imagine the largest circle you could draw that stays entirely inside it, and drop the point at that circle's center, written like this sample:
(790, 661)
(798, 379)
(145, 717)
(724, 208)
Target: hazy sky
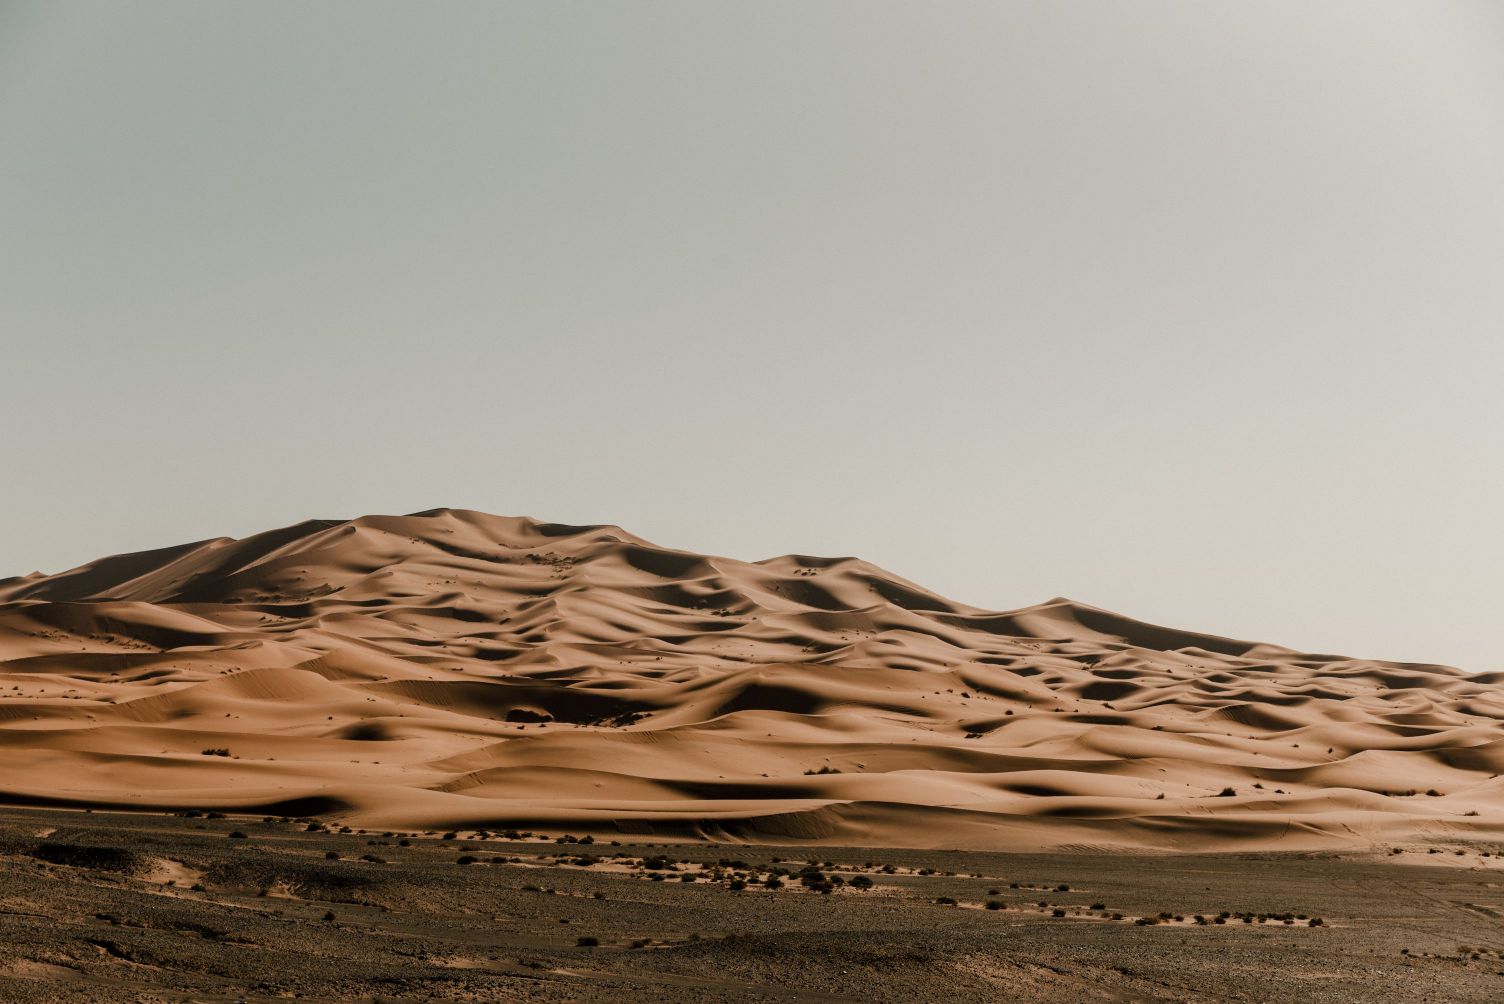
(1190, 310)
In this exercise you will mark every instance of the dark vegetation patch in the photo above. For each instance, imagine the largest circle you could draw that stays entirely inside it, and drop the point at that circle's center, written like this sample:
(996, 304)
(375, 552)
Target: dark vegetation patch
(328, 883)
(109, 859)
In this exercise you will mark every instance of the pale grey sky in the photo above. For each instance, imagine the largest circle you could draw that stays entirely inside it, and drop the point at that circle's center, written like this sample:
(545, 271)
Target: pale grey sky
(1191, 310)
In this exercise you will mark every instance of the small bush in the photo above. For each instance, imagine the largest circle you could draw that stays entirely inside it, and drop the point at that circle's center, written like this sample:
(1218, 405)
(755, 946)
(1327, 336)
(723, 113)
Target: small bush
(217, 751)
(994, 904)
(946, 900)
(236, 835)
(587, 942)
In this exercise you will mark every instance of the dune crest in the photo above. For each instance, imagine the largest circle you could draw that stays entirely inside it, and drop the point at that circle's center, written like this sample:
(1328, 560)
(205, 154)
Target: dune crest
(452, 668)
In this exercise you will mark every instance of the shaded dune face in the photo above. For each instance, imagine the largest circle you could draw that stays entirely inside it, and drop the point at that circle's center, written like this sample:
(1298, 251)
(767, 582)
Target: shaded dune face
(452, 668)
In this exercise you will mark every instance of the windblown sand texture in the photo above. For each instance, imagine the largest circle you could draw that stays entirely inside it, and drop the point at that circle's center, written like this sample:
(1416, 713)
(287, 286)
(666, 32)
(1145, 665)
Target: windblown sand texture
(452, 669)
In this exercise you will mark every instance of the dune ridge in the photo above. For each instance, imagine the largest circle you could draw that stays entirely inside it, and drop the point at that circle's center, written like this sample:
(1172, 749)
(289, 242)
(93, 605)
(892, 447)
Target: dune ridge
(452, 668)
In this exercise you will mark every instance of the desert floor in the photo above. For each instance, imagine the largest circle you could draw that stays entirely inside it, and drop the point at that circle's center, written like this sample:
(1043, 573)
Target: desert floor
(152, 907)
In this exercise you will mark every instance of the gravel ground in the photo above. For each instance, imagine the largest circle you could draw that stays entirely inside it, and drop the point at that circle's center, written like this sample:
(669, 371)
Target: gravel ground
(119, 907)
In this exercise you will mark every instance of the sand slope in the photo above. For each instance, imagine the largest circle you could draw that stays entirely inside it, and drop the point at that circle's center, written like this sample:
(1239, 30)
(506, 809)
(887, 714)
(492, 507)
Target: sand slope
(453, 668)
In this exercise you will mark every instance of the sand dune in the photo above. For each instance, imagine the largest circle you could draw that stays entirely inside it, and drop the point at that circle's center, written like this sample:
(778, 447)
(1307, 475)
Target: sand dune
(452, 669)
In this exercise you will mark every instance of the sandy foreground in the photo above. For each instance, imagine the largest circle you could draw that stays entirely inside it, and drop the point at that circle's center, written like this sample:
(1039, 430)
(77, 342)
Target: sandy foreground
(452, 669)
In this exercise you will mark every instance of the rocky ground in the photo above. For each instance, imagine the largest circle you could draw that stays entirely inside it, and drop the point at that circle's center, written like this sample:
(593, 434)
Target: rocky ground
(138, 907)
